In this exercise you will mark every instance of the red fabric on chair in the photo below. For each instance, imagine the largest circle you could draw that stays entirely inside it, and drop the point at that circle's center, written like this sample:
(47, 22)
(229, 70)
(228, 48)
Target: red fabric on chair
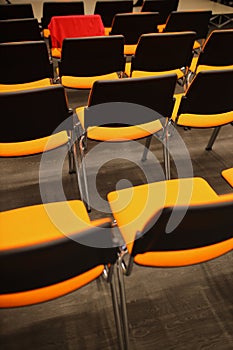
(62, 27)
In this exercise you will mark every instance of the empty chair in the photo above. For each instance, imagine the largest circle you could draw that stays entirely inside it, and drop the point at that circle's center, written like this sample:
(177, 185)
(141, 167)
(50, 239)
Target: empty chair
(87, 59)
(172, 223)
(50, 250)
(132, 26)
(59, 8)
(13, 11)
(196, 20)
(34, 121)
(108, 9)
(216, 52)
(207, 103)
(157, 54)
(123, 110)
(163, 7)
(25, 65)
(26, 29)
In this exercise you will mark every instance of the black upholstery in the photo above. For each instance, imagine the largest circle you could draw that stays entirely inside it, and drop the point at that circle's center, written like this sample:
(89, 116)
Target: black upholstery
(158, 52)
(209, 93)
(108, 9)
(164, 7)
(197, 21)
(60, 8)
(26, 29)
(91, 56)
(13, 11)
(133, 25)
(202, 225)
(32, 114)
(23, 62)
(40, 265)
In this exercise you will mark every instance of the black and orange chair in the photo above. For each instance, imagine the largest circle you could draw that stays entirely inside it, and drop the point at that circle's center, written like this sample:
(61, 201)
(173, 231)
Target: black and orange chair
(227, 174)
(132, 26)
(25, 29)
(163, 7)
(216, 52)
(87, 59)
(35, 121)
(25, 65)
(120, 111)
(59, 8)
(108, 9)
(207, 103)
(53, 249)
(174, 223)
(157, 54)
(195, 20)
(13, 11)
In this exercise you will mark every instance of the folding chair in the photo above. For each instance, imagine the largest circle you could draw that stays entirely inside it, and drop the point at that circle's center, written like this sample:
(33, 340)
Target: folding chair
(59, 8)
(120, 111)
(216, 52)
(163, 7)
(13, 11)
(207, 103)
(172, 223)
(132, 26)
(157, 54)
(108, 9)
(85, 60)
(25, 65)
(196, 21)
(50, 250)
(26, 29)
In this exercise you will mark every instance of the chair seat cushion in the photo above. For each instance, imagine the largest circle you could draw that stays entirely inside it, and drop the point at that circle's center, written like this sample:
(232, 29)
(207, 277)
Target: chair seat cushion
(115, 134)
(25, 86)
(228, 175)
(17, 149)
(85, 82)
(205, 120)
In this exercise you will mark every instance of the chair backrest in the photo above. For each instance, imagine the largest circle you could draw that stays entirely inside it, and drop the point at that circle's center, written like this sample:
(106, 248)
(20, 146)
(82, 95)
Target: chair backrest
(19, 30)
(32, 114)
(155, 93)
(210, 92)
(217, 49)
(91, 56)
(13, 11)
(202, 225)
(133, 25)
(23, 268)
(164, 7)
(24, 62)
(197, 21)
(158, 52)
(108, 9)
(60, 8)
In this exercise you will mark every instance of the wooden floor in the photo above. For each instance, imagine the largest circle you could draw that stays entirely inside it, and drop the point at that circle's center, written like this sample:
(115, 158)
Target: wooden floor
(187, 308)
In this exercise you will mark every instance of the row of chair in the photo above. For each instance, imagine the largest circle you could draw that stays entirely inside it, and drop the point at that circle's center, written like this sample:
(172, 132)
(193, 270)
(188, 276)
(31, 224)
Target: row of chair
(131, 25)
(152, 108)
(29, 63)
(106, 9)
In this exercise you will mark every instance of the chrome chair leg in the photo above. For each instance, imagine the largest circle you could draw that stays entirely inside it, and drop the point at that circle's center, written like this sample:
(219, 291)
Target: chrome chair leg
(146, 149)
(213, 138)
(166, 153)
(116, 312)
(84, 173)
(123, 303)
